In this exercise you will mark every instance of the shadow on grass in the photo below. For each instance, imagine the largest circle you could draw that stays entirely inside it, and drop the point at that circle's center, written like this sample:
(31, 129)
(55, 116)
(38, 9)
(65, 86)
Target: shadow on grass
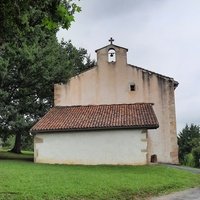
(25, 156)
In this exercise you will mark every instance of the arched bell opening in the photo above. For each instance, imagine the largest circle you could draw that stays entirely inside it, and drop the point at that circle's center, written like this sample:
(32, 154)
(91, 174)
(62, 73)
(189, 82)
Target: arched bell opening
(111, 55)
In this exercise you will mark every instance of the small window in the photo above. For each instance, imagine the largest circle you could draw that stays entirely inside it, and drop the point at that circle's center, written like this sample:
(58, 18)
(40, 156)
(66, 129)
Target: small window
(111, 55)
(132, 87)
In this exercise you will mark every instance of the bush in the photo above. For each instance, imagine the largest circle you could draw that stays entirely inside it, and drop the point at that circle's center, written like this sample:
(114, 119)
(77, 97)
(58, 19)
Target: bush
(188, 139)
(189, 160)
(196, 156)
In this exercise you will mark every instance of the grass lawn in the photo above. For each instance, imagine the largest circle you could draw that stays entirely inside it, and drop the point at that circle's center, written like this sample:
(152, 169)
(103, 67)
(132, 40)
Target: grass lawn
(25, 180)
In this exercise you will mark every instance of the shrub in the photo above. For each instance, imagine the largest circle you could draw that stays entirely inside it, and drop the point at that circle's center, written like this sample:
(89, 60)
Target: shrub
(196, 156)
(189, 160)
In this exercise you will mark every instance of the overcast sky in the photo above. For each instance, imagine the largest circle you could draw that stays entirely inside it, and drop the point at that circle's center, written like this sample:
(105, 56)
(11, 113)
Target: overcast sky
(162, 36)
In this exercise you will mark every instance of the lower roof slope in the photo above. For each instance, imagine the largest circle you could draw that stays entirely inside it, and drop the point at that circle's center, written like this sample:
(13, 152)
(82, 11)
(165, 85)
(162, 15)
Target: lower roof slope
(94, 117)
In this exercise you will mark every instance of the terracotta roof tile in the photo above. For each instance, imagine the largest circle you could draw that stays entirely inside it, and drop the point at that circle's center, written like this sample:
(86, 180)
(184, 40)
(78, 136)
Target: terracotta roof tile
(71, 118)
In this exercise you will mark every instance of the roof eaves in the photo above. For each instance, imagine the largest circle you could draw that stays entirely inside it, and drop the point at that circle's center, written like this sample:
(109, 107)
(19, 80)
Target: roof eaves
(154, 126)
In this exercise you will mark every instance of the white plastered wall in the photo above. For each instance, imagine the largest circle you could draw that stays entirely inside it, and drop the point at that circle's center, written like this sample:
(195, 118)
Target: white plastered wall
(115, 147)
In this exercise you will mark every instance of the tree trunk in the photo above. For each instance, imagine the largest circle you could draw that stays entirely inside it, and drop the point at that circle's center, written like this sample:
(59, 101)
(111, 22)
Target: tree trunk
(17, 146)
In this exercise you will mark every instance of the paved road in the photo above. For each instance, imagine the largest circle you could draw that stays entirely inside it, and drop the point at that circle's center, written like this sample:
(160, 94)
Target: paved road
(189, 169)
(190, 194)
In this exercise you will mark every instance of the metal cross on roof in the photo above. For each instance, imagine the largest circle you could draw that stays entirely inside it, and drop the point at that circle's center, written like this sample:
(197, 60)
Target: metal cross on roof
(111, 40)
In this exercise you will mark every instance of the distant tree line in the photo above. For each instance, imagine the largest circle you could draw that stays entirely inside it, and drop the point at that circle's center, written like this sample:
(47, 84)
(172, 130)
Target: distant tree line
(189, 146)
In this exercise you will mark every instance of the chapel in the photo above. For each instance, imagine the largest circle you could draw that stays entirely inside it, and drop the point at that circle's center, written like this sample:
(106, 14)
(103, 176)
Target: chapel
(114, 113)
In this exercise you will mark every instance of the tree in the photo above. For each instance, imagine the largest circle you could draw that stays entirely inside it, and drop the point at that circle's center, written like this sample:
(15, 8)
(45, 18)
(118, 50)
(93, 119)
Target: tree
(27, 84)
(32, 60)
(19, 16)
(188, 139)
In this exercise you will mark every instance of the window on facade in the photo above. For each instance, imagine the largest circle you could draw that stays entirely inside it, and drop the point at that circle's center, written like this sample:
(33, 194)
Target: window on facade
(132, 87)
(111, 55)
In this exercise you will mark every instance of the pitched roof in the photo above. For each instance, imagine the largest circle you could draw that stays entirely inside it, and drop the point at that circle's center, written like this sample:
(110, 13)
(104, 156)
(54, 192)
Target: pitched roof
(94, 117)
(110, 46)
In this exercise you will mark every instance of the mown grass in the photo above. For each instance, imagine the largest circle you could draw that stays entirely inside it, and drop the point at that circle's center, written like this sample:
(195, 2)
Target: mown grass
(26, 180)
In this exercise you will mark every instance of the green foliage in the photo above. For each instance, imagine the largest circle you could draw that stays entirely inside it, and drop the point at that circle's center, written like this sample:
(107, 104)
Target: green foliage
(32, 60)
(26, 91)
(79, 60)
(189, 160)
(188, 139)
(8, 144)
(196, 155)
(21, 15)
(25, 180)
(27, 142)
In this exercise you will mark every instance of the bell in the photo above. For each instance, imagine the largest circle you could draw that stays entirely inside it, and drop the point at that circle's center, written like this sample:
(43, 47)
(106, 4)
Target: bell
(112, 54)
